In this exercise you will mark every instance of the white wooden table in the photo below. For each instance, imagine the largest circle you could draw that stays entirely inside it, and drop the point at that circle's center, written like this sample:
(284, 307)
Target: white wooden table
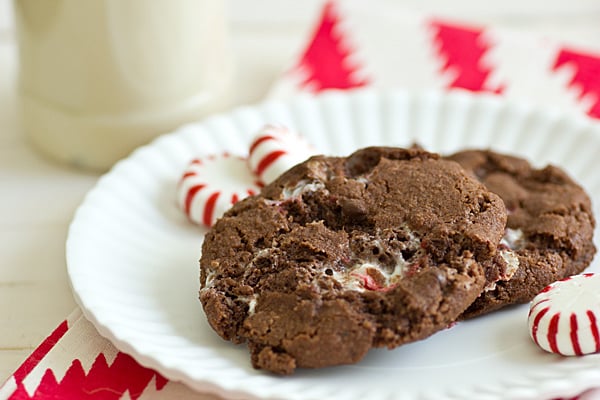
(38, 198)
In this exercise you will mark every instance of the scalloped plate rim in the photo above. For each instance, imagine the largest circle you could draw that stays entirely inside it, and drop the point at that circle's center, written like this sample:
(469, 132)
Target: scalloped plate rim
(112, 332)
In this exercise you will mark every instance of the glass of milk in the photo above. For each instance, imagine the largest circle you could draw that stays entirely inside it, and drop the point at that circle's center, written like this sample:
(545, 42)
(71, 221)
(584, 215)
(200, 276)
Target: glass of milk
(99, 78)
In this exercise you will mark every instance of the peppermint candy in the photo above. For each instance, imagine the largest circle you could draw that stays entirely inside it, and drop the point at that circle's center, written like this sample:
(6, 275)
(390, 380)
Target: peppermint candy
(210, 186)
(274, 150)
(564, 318)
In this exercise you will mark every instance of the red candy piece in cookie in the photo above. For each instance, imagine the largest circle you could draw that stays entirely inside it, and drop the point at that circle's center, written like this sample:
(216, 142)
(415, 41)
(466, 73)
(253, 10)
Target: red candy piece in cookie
(274, 150)
(211, 185)
(564, 318)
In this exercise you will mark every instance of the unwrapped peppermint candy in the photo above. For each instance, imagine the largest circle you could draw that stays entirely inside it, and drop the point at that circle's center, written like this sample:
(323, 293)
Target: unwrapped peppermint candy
(211, 185)
(274, 150)
(564, 318)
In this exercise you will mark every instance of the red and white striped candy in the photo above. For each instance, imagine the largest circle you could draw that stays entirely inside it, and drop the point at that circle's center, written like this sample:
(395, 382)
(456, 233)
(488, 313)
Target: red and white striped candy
(274, 150)
(211, 185)
(564, 318)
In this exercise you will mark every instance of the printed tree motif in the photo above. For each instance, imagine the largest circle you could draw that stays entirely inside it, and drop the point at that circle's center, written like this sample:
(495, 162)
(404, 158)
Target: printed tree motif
(102, 382)
(586, 78)
(462, 50)
(325, 61)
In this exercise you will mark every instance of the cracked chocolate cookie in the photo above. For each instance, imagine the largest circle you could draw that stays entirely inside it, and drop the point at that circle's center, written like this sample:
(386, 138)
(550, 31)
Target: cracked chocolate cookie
(549, 229)
(339, 255)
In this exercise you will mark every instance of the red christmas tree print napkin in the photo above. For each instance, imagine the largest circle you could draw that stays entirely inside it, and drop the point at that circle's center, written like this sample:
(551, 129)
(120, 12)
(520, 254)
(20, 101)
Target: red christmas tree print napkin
(356, 45)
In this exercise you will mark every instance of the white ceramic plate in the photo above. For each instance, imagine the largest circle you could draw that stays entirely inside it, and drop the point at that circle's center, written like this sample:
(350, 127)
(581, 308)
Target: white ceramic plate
(132, 256)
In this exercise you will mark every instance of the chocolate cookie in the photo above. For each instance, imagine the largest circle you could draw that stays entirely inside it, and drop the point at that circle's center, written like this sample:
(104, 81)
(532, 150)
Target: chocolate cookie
(339, 255)
(549, 229)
